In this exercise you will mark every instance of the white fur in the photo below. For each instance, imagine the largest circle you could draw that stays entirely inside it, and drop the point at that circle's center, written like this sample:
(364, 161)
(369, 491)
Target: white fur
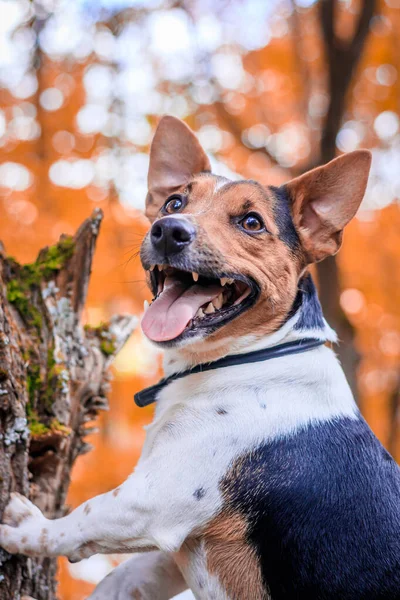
(220, 183)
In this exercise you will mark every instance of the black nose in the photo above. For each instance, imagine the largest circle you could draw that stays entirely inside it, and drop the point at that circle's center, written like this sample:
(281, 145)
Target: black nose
(171, 235)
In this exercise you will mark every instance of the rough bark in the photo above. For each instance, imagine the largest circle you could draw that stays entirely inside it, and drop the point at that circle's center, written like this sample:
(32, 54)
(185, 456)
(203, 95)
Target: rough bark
(54, 377)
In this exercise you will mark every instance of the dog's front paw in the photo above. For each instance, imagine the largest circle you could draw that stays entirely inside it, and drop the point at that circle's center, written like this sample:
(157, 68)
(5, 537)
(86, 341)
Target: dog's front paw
(24, 528)
(20, 509)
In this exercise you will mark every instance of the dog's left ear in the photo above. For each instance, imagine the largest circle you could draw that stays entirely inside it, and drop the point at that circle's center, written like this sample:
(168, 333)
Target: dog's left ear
(175, 156)
(325, 199)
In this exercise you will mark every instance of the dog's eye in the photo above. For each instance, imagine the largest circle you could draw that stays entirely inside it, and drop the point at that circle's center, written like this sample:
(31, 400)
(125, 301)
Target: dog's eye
(252, 223)
(173, 204)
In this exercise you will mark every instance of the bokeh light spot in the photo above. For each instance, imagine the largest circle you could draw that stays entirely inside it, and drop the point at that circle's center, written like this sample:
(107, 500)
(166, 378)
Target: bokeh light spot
(386, 124)
(75, 174)
(23, 211)
(352, 301)
(51, 99)
(15, 176)
(63, 142)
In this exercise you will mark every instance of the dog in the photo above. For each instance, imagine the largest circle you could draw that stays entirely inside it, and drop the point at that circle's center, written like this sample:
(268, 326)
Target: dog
(259, 478)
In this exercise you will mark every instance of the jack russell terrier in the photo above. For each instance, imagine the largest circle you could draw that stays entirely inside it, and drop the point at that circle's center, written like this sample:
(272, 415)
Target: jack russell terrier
(259, 479)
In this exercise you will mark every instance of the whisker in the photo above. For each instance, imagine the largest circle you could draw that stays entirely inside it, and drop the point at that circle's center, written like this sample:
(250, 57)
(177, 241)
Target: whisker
(134, 247)
(134, 281)
(133, 257)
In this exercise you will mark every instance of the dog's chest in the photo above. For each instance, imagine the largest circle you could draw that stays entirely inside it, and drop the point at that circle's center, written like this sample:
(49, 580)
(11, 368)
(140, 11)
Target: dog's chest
(220, 414)
(206, 422)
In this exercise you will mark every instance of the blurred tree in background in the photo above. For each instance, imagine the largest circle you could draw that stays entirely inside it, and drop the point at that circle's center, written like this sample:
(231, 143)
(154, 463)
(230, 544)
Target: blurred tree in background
(272, 88)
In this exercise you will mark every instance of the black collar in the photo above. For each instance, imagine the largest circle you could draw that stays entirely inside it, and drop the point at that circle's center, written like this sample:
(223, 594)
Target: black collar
(148, 395)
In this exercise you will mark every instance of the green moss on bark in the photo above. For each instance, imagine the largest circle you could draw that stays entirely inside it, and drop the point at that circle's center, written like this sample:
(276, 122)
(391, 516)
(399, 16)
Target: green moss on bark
(33, 383)
(38, 428)
(107, 347)
(107, 339)
(18, 294)
(25, 279)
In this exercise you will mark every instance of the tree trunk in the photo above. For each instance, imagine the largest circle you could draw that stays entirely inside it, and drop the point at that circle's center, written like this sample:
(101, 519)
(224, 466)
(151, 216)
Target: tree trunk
(329, 293)
(342, 58)
(53, 381)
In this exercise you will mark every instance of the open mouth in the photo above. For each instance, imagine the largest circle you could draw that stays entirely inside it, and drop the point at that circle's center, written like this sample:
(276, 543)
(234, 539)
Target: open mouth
(187, 303)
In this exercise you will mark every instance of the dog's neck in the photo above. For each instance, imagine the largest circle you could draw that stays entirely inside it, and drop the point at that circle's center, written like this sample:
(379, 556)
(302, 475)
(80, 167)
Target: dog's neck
(305, 320)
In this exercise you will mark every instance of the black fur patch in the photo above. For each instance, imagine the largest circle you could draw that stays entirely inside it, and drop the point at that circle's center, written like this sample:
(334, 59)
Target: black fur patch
(283, 217)
(311, 316)
(199, 493)
(247, 205)
(323, 508)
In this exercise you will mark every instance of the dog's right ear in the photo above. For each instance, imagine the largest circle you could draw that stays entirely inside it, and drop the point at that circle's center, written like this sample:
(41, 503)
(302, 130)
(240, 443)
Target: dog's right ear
(325, 199)
(175, 157)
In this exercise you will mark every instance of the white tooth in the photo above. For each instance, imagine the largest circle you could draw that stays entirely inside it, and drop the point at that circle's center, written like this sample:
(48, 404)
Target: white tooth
(226, 280)
(200, 313)
(242, 297)
(152, 268)
(145, 305)
(195, 276)
(209, 309)
(218, 301)
(160, 267)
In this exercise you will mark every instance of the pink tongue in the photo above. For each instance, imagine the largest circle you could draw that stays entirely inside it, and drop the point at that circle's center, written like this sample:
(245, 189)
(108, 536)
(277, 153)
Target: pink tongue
(169, 314)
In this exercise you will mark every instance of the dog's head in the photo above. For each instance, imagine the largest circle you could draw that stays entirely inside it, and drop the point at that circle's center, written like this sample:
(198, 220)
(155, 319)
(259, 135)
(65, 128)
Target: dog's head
(224, 257)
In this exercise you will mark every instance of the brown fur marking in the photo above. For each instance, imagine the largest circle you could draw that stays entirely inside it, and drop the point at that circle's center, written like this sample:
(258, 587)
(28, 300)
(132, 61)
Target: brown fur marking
(116, 492)
(43, 539)
(232, 559)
